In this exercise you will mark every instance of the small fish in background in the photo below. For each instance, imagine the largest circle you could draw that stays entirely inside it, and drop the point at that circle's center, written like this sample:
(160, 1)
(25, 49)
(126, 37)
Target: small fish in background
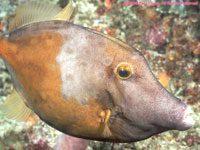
(82, 82)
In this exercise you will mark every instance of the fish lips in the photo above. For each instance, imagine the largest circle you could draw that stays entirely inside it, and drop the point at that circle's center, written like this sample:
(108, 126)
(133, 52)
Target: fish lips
(187, 120)
(182, 121)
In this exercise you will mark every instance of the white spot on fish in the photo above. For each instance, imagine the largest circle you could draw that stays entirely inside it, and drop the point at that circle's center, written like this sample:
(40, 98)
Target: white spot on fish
(83, 70)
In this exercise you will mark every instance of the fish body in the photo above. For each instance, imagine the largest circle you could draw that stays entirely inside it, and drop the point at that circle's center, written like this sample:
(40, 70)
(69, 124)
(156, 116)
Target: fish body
(88, 84)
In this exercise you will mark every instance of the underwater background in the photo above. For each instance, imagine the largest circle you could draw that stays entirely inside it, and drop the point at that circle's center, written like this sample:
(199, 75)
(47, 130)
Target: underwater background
(169, 38)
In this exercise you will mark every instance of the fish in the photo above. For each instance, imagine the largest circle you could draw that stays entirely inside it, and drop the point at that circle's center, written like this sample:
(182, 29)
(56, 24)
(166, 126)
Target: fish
(82, 82)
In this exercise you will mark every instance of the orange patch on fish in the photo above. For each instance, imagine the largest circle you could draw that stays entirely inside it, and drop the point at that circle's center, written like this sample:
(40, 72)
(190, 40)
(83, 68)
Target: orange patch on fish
(38, 72)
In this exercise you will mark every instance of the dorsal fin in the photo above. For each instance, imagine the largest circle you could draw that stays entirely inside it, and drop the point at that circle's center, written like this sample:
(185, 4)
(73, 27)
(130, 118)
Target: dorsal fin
(112, 39)
(66, 13)
(36, 12)
(14, 108)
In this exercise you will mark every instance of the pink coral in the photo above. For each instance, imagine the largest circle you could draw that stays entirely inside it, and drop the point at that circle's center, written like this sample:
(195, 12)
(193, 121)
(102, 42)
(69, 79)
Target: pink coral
(66, 142)
(156, 36)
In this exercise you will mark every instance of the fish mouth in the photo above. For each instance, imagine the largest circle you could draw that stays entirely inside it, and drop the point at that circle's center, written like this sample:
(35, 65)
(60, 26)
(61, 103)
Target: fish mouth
(187, 122)
(183, 123)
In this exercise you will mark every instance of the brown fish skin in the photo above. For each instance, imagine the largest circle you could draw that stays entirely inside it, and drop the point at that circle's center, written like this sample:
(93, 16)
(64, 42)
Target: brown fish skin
(67, 74)
(39, 76)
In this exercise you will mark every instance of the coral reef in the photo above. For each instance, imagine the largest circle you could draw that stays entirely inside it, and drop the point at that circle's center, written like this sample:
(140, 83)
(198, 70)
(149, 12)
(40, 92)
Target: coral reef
(168, 36)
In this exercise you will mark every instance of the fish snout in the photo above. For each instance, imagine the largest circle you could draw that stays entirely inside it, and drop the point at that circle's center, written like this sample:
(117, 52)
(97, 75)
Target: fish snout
(180, 118)
(187, 121)
(173, 112)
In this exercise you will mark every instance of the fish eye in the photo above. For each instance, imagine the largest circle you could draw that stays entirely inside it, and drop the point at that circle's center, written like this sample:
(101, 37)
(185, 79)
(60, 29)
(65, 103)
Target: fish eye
(123, 71)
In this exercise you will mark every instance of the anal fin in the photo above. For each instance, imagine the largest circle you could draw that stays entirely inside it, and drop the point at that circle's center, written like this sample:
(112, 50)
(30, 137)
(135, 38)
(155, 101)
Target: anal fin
(15, 108)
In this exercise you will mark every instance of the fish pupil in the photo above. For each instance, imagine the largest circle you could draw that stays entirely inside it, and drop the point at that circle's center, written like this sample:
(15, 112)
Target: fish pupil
(123, 73)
